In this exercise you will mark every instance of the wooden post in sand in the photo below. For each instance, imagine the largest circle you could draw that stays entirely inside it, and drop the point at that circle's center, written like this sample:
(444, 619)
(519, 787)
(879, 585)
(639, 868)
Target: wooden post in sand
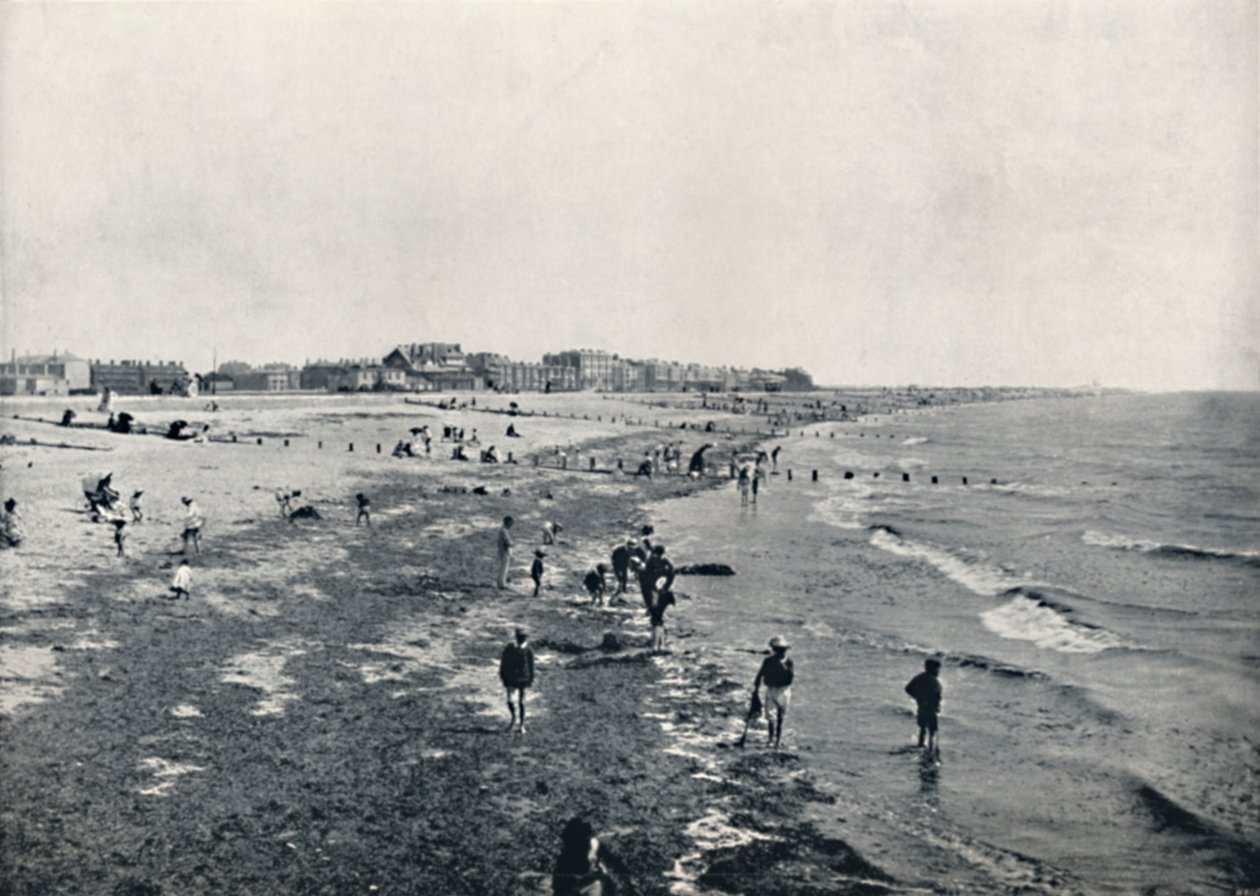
(351, 448)
(592, 465)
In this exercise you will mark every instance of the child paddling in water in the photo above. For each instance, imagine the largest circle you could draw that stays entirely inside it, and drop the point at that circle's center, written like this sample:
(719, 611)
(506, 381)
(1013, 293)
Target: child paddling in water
(926, 690)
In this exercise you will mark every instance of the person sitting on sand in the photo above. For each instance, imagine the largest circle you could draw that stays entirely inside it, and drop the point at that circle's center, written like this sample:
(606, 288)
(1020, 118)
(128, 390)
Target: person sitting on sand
(926, 690)
(305, 512)
(365, 510)
(645, 468)
(181, 584)
(585, 867)
(67, 419)
(120, 537)
(504, 547)
(10, 525)
(458, 453)
(490, 455)
(594, 582)
(137, 512)
(536, 570)
(511, 431)
(778, 673)
(516, 671)
(193, 521)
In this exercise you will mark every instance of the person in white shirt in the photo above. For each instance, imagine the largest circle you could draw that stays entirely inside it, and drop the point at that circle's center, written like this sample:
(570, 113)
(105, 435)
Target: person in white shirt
(181, 585)
(193, 521)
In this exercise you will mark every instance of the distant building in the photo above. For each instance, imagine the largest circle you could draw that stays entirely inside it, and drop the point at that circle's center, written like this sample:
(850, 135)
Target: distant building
(214, 383)
(317, 375)
(140, 377)
(594, 366)
(45, 375)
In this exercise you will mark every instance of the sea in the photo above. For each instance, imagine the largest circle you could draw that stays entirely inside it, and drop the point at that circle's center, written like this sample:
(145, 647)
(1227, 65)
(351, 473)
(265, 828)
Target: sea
(1087, 570)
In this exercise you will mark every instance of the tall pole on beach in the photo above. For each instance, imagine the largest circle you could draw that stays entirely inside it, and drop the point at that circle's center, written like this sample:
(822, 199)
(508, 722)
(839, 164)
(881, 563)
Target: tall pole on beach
(214, 369)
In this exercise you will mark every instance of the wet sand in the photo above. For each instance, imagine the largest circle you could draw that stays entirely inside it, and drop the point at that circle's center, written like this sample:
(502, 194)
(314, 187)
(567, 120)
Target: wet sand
(324, 715)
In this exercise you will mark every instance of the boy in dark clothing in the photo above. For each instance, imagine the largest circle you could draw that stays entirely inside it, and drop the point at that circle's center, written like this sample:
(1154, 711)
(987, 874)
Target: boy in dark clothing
(536, 570)
(656, 568)
(621, 563)
(120, 536)
(778, 674)
(365, 509)
(926, 690)
(594, 583)
(516, 671)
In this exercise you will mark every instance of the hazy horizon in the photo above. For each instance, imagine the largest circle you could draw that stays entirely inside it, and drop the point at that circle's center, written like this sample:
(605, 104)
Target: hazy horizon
(1050, 193)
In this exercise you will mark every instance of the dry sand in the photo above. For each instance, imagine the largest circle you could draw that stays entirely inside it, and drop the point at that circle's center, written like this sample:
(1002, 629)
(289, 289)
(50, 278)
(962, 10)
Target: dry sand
(323, 715)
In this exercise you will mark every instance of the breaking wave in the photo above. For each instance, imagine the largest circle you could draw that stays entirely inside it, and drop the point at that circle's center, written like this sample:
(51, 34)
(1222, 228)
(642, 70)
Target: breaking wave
(1030, 616)
(1164, 549)
(978, 576)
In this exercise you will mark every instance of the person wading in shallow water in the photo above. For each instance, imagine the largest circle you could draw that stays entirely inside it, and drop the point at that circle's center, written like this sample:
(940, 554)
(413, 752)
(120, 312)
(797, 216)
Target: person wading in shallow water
(778, 673)
(926, 690)
(516, 671)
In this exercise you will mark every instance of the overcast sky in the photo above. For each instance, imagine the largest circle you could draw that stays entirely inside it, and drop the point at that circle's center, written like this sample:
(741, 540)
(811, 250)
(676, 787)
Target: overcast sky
(946, 192)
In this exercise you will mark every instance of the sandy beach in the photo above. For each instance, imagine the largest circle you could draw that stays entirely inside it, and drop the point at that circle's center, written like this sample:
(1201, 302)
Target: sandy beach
(323, 715)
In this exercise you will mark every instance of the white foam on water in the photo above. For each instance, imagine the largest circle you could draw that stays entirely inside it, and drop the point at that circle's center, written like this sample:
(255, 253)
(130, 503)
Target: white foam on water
(914, 440)
(185, 711)
(1025, 619)
(981, 578)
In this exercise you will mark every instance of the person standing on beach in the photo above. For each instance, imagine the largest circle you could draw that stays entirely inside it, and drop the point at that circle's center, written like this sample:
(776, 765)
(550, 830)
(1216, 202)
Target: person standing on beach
(137, 513)
(120, 537)
(778, 673)
(926, 690)
(505, 550)
(661, 601)
(365, 510)
(621, 562)
(516, 671)
(657, 567)
(536, 570)
(745, 482)
(193, 521)
(594, 583)
(774, 456)
(758, 476)
(181, 584)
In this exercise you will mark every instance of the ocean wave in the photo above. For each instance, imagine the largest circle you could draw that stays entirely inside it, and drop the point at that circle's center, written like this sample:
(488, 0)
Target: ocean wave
(1164, 549)
(978, 576)
(915, 440)
(1029, 616)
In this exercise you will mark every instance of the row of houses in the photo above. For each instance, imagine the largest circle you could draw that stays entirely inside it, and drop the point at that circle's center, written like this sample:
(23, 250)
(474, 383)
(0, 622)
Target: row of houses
(65, 374)
(412, 367)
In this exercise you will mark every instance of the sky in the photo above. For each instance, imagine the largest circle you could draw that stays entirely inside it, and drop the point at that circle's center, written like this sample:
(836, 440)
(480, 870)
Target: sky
(954, 192)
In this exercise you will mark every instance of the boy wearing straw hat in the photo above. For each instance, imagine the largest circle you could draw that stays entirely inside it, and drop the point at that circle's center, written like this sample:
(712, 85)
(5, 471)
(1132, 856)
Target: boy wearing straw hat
(778, 673)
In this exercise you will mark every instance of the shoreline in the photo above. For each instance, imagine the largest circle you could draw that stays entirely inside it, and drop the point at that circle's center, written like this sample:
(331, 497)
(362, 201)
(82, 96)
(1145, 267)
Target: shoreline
(380, 635)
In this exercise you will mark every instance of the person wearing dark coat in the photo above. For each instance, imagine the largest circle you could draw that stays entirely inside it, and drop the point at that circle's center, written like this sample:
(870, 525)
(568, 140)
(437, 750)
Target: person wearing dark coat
(516, 671)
